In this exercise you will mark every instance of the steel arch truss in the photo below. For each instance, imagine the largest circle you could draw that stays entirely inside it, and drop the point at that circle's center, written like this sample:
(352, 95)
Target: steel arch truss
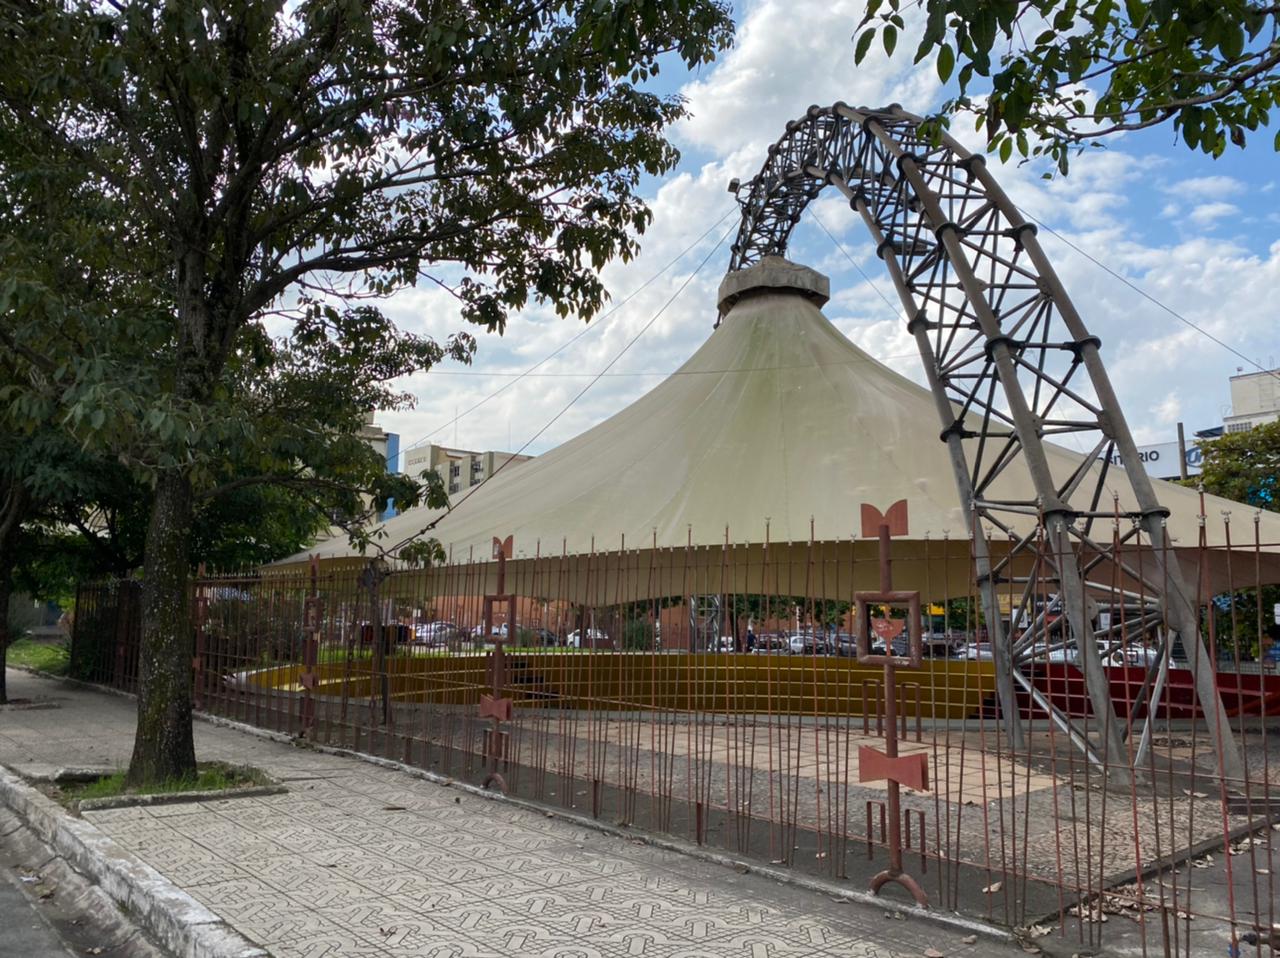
(1010, 363)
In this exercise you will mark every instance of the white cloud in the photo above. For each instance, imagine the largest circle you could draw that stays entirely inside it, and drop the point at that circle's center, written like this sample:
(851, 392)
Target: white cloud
(792, 54)
(1206, 213)
(1206, 186)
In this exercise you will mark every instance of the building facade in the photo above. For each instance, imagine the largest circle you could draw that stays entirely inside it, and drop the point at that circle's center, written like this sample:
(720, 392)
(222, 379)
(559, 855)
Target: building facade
(387, 445)
(460, 469)
(1255, 400)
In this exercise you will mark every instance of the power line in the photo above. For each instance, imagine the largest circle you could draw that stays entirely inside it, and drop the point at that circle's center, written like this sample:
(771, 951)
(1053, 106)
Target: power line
(897, 310)
(667, 374)
(585, 330)
(1147, 296)
(582, 392)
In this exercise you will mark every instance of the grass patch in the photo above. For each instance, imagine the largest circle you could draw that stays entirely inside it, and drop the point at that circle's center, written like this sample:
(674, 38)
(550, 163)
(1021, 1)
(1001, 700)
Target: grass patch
(47, 657)
(209, 777)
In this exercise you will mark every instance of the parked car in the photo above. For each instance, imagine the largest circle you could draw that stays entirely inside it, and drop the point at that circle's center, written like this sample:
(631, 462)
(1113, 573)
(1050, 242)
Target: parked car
(496, 631)
(434, 633)
(587, 639)
(844, 645)
(901, 646)
(772, 643)
(941, 645)
(536, 637)
(978, 652)
(809, 643)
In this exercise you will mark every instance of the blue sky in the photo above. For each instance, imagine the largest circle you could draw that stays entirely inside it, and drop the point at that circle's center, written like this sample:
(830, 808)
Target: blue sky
(1200, 235)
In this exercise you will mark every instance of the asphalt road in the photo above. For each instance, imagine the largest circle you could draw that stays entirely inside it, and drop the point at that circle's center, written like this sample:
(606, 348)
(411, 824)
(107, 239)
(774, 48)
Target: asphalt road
(48, 910)
(26, 932)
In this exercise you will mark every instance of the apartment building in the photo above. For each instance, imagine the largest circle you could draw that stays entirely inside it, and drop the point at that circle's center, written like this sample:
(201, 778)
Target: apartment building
(459, 468)
(1255, 400)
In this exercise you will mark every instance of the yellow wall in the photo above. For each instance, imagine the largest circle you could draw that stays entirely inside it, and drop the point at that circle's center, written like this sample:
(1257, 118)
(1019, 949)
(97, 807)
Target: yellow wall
(628, 681)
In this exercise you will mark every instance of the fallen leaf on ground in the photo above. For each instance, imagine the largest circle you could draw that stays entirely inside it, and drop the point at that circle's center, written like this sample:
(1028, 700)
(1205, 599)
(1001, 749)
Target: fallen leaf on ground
(994, 887)
(394, 808)
(933, 953)
(970, 939)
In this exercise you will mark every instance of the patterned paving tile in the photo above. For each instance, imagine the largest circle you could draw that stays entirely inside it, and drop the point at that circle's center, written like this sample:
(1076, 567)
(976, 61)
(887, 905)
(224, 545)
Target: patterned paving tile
(358, 861)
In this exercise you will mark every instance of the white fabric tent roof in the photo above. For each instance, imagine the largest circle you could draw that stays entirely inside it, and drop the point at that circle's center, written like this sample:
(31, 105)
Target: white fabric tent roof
(776, 420)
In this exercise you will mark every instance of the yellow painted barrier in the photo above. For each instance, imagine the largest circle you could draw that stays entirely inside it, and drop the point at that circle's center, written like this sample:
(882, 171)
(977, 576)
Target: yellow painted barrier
(628, 681)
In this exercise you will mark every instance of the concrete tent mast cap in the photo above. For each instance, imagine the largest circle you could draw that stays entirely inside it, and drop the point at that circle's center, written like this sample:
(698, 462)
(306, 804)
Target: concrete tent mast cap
(773, 274)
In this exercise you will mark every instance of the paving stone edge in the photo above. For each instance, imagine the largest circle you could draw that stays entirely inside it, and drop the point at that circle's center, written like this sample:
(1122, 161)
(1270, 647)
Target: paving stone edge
(831, 889)
(180, 923)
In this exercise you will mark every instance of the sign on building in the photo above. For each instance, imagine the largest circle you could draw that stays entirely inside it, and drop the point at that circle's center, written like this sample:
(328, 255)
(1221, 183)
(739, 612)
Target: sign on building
(1161, 459)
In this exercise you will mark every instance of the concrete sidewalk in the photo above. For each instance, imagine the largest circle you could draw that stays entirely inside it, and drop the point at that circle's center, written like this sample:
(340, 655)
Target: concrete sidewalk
(361, 860)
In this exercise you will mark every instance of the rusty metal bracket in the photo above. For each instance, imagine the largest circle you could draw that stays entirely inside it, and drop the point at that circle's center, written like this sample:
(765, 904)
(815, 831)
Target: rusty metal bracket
(889, 766)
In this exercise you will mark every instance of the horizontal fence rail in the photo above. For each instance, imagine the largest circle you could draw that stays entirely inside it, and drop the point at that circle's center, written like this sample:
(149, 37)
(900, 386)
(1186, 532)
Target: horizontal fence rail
(716, 695)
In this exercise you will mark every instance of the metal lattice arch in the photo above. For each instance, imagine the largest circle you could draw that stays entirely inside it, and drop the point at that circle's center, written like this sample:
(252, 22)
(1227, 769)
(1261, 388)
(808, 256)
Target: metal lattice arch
(1003, 345)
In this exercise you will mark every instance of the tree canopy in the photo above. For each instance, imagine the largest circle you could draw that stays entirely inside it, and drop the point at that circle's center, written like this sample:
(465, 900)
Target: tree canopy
(1244, 466)
(1046, 76)
(234, 185)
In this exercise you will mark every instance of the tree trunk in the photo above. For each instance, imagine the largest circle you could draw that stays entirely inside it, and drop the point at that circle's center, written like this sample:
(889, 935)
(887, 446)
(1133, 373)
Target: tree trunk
(14, 503)
(6, 584)
(164, 747)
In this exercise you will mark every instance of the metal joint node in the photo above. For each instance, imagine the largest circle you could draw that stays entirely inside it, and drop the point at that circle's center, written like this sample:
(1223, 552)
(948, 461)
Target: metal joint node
(1077, 348)
(989, 347)
(1058, 510)
(957, 428)
(1158, 512)
(885, 244)
(917, 160)
(948, 225)
(1016, 233)
(967, 164)
(918, 322)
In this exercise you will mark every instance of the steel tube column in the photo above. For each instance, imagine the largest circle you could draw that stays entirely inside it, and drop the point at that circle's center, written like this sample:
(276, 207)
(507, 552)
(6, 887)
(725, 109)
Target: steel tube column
(959, 466)
(1057, 514)
(1174, 591)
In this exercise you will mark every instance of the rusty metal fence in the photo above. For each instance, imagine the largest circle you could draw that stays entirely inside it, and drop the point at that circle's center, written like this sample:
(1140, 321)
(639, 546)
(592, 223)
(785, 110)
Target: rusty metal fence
(717, 695)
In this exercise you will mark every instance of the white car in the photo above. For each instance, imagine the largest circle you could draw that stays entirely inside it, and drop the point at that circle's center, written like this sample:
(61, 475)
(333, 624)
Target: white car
(431, 633)
(593, 638)
(977, 652)
(497, 631)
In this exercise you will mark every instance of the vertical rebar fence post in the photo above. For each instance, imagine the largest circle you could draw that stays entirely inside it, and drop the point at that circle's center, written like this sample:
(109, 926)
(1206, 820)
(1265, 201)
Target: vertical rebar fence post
(496, 706)
(873, 765)
(199, 616)
(312, 618)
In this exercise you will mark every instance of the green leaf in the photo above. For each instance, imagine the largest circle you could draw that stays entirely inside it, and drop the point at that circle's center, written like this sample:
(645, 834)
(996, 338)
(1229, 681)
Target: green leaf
(863, 45)
(889, 37)
(946, 62)
(1232, 43)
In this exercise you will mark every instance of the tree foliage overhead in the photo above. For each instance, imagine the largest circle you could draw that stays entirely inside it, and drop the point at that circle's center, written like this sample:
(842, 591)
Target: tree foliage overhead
(210, 170)
(1045, 76)
(1244, 466)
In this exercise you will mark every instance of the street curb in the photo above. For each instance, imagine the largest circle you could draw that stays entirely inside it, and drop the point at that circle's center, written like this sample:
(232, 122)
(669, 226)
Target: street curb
(180, 923)
(698, 853)
(951, 920)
